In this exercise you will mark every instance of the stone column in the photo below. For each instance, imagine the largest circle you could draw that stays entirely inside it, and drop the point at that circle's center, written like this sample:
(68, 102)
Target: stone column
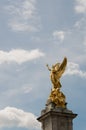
(57, 119)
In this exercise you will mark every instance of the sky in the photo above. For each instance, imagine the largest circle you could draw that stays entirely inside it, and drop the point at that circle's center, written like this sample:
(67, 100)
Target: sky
(34, 33)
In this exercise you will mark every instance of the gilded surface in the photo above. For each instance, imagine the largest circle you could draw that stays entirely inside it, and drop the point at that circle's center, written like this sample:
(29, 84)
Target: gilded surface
(56, 72)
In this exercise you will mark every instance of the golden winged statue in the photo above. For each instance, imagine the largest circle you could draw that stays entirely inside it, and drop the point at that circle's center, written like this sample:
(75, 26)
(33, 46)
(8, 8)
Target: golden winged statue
(56, 72)
(56, 96)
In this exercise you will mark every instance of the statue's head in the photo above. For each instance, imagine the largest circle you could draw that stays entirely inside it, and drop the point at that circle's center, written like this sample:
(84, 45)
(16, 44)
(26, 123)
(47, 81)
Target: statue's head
(57, 66)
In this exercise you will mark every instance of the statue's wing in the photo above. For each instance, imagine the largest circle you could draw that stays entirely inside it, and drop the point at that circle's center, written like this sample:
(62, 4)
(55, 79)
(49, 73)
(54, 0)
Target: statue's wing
(62, 67)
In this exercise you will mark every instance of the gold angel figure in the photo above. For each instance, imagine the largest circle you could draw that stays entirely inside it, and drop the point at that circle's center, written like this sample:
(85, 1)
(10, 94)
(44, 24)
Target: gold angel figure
(56, 72)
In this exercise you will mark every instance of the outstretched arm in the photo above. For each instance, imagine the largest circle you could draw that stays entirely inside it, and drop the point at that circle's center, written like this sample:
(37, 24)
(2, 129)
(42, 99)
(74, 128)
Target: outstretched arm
(48, 67)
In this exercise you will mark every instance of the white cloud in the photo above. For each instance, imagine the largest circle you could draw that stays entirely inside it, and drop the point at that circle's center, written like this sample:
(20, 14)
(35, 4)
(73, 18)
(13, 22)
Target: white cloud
(80, 6)
(19, 55)
(80, 23)
(26, 89)
(13, 117)
(74, 69)
(81, 26)
(13, 92)
(60, 35)
(17, 26)
(23, 15)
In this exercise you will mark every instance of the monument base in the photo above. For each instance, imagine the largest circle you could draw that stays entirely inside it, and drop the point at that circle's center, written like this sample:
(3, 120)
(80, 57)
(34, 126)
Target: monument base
(53, 118)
